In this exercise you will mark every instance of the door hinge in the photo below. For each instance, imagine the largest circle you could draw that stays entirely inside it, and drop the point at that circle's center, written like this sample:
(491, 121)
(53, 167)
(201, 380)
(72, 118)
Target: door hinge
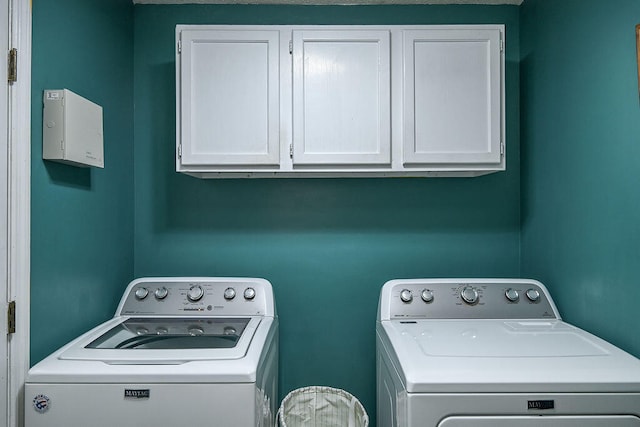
(11, 318)
(291, 151)
(502, 148)
(180, 151)
(501, 45)
(290, 46)
(12, 70)
(179, 46)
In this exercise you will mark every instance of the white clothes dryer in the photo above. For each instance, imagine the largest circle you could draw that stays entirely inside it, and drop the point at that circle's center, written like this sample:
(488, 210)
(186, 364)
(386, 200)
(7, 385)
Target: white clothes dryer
(494, 353)
(179, 351)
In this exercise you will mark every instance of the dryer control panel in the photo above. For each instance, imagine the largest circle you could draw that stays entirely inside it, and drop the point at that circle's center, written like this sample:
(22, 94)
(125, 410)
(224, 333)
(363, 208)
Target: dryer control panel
(466, 299)
(198, 296)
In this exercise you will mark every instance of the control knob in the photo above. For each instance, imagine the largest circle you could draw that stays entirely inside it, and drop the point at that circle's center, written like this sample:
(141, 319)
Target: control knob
(533, 295)
(161, 293)
(512, 295)
(195, 293)
(406, 295)
(249, 293)
(469, 295)
(427, 295)
(141, 293)
(229, 294)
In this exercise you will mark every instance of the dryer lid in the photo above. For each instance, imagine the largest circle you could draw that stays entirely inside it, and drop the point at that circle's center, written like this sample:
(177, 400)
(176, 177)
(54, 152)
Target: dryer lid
(505, 356)
(530, 339)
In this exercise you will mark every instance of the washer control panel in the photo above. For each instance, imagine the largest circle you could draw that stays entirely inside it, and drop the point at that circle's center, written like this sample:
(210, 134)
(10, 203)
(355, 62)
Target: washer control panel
(198, 297)
(466, 299)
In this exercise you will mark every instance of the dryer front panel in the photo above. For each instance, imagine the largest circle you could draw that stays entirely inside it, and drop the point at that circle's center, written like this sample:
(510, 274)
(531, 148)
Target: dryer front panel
(537, 421)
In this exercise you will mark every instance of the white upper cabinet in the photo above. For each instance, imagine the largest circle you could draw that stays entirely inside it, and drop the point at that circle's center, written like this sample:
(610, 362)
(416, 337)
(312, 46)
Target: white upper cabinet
(314, 101)
(452, 97)
(341, 97)
(229, 97)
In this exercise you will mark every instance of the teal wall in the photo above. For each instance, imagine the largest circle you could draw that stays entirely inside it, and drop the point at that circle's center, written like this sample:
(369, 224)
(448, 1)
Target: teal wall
(81, 219)
(327, 245)
(581, 150)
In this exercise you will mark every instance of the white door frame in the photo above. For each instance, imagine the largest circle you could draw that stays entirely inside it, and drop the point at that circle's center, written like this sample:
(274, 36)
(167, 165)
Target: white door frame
(19, 211)
(4, 200)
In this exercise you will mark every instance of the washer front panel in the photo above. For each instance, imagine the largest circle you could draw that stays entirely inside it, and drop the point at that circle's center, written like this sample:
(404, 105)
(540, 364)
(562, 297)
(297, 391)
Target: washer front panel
(197, 297)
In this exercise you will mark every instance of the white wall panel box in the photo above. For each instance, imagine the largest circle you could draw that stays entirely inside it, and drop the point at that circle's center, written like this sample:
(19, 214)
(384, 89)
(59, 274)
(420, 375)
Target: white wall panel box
(72, 130)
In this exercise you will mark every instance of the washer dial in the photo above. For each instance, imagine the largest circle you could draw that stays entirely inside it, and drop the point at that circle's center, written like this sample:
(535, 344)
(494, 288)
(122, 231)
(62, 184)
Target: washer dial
(469, 295)
(406, 295)
(195, 293)
(161, 293)
(427, 295)
(141, 293)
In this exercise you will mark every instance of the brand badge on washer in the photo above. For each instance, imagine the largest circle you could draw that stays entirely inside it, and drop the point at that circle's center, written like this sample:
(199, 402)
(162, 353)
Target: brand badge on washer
(137, 394)
(41, 403)
(540, 404)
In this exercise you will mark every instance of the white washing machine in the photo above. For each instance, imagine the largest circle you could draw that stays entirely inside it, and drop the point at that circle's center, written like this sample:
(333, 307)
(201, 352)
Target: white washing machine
(179, 352)
(495, 353)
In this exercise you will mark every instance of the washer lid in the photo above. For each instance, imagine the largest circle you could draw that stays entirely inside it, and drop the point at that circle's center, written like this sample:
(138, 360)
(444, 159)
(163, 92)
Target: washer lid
(165, 340)
(505, 356)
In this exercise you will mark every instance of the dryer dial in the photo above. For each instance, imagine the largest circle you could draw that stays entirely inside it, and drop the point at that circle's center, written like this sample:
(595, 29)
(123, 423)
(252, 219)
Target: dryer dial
(249, 293)
(533, 295)
(469, 295)
(195, 293)
(229, 294)
(512, 295)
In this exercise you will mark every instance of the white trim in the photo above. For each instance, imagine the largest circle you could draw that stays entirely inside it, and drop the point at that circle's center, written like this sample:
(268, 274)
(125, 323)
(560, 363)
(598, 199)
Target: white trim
(19, 178)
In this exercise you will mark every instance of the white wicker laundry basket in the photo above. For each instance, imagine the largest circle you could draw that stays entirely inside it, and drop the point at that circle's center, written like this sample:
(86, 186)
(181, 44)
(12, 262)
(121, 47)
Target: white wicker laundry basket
(318, 406)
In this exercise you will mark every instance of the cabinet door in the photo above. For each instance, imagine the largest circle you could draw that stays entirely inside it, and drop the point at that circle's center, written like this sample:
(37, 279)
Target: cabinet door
(341, 97)
(452, 96)
(229, 103)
